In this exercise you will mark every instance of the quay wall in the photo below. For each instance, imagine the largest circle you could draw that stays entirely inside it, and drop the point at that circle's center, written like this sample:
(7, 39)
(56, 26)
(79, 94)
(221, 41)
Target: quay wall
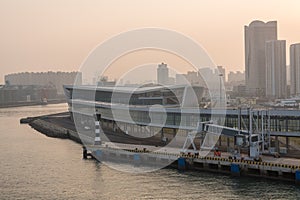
(233, 167)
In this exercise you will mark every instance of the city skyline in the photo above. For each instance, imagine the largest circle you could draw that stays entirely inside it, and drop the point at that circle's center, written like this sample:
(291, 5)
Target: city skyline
(148, 99)
(52, 36)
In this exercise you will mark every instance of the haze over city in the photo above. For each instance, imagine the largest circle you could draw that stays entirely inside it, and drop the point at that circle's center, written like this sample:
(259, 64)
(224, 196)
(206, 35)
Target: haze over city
(58, 35)
(149, 99)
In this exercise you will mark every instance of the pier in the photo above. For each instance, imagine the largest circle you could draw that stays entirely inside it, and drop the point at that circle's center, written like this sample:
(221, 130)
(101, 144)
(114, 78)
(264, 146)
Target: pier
(142, 152)
(287, 169)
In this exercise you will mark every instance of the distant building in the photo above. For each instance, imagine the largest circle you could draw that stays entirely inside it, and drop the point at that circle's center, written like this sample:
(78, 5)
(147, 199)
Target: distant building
(295, 69)
(236, 77)
(103, 81)
(200, 78)
(12, 94)
(57, 79)
(239, 91)
(162, 74)
(206, 72)
(276, 83)
(171, 81)
(180, 79)
(256, 35)
(190, 78)
(193, 78)
(222, 72)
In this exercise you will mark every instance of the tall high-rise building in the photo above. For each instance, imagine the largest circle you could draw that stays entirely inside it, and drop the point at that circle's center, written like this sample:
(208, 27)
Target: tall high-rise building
(162, 74)
(256, 35)
(276, 83)
(295, 69)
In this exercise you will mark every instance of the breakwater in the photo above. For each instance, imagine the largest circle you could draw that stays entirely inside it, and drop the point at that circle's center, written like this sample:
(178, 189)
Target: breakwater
(51, 129)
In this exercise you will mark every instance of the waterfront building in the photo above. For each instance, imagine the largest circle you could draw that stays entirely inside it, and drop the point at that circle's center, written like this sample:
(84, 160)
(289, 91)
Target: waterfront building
(14, 94)
(295, 69)
(56, 79)
(256, 36)
(84, 101)
(276, 83)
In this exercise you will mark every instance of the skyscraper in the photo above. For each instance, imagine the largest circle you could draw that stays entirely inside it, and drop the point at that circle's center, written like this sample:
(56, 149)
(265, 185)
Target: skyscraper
(276, 84)
(256, 35)
(162, 74)
(295, 69)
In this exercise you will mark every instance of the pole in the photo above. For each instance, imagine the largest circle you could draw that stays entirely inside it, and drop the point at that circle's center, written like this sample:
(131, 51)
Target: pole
(239, 119)
(262, 131)
(269, 135)
(250, 125)
(220, 75)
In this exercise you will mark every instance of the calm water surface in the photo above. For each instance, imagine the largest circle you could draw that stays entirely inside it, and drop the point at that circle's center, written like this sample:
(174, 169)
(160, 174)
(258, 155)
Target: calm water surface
(33, 166)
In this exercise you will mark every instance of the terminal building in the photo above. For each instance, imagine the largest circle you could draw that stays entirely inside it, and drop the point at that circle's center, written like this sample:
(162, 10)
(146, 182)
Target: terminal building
(166, 111)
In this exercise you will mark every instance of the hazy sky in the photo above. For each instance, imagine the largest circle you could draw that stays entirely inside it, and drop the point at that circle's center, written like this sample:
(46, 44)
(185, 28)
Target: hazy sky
(43, 35)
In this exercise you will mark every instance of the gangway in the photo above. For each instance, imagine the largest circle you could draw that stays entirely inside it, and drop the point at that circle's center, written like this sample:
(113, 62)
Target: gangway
(209, 132)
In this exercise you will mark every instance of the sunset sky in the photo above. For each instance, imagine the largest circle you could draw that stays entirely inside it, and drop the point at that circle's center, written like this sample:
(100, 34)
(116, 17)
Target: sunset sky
(57, 35)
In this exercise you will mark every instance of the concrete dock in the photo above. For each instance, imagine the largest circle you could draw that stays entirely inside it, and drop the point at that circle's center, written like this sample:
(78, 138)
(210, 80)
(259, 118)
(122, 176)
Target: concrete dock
(287, 169)
(138, 150)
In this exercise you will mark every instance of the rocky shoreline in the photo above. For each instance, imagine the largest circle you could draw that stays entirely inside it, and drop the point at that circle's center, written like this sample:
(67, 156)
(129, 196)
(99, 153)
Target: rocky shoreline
(50, 129)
